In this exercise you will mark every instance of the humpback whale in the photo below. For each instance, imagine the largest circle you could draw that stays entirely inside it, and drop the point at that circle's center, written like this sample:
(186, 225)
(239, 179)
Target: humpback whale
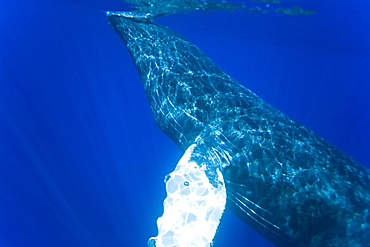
(281, 178)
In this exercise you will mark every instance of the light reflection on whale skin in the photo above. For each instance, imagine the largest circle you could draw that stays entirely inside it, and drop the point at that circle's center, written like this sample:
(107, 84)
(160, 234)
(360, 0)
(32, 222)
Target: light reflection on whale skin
(282, 179)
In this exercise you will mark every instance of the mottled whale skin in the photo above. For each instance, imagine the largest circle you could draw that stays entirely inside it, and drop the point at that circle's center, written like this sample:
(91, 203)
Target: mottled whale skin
(282, 179)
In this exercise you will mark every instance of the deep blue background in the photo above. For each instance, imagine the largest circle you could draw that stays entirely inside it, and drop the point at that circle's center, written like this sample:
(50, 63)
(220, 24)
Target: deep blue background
(81, 159)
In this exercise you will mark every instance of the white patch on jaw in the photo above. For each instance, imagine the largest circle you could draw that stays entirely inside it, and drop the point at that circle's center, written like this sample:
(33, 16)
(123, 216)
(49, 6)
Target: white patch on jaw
(192, 208)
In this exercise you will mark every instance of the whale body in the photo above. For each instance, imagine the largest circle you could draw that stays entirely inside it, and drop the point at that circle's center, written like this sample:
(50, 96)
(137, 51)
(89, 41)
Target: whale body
(282, 179)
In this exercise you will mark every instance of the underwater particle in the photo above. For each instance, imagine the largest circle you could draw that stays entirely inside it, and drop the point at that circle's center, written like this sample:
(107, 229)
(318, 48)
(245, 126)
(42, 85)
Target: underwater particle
(295, 11)
(186, 183)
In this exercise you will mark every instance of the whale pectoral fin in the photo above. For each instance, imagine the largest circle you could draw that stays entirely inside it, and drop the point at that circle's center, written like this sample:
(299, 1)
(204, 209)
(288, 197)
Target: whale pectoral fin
(193, 206)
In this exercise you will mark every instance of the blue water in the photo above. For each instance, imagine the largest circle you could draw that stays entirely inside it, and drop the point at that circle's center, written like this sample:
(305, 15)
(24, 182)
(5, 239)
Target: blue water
(81, 160)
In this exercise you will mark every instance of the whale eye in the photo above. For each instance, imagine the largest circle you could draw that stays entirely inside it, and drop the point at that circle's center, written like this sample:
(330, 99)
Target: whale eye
(186, 183)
